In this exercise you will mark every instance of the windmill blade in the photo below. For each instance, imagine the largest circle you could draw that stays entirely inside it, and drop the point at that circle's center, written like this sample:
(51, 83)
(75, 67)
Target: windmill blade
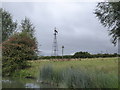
(56, 31)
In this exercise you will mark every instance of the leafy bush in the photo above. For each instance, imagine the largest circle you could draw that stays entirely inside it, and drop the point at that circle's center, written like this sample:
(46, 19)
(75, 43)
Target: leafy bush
(82, 55)
(16, 50)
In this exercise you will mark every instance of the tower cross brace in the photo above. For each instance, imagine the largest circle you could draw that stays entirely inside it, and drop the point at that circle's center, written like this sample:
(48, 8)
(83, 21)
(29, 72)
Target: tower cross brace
(55, 45)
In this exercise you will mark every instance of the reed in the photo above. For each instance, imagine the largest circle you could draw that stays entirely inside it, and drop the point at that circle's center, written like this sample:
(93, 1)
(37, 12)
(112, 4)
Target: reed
(46, 73)
(72, 77)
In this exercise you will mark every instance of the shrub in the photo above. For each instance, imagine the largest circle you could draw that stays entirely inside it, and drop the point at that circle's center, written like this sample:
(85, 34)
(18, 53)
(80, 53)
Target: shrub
(82, 55)
(16, 50)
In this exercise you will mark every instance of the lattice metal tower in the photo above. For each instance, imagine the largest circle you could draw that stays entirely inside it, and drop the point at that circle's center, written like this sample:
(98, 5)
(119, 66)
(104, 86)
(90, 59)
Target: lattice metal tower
(55, 45)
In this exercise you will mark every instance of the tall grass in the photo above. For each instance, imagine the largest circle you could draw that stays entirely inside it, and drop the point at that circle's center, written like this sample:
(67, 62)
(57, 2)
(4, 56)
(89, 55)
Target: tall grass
(104, 64)
(75, 78)
(71, 77)
(46, 73)
(49, 75)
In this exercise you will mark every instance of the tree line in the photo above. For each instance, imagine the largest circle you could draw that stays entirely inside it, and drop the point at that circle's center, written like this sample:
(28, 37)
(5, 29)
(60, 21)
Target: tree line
(80, 54)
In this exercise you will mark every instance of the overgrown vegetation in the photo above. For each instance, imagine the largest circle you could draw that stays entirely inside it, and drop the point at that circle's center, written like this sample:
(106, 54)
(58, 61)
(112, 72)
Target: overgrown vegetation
(108, 14)
(74, 77)
(107, 65)
(81, 55)
(16, 50)
(8, 25)
(17, 47)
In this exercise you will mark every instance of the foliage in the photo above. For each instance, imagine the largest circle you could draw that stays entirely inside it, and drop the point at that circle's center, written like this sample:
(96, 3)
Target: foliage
(8, 25)
(55, 57)
(22, 74)
(16, 50)
(82, 55)
(105, 55)
(28, 29)
(27, 26)
(109, 15)
(17, 46)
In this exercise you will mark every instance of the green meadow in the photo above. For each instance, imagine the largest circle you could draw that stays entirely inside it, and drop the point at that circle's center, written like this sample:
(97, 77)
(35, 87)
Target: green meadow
(75, 73)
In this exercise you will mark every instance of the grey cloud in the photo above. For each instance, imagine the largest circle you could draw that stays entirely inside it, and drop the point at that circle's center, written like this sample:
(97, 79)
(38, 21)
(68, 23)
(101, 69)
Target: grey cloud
(79, 29)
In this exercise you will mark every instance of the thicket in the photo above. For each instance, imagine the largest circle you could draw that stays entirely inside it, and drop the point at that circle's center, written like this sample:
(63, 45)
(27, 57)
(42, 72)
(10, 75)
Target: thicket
(17, 47)
(16, 50)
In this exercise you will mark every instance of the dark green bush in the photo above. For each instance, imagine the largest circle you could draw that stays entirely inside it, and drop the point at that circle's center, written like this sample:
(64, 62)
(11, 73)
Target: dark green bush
(82, 55)
(16, 50)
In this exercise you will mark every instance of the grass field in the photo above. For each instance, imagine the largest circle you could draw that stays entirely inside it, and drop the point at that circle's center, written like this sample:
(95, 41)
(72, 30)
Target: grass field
(104, 68)
(109, 65)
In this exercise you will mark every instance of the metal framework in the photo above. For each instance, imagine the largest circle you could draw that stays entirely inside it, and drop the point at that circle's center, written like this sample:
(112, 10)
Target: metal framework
(55, 45)
(62, 51)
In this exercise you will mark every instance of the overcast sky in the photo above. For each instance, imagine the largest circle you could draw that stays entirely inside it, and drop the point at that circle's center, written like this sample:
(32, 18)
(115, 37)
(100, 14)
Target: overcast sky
(78, 28)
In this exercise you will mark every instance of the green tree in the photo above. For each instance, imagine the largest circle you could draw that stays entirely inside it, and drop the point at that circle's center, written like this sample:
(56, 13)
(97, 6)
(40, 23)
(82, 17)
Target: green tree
(82, 55)
(108, 14)
(16, 50)
(8, 25)
(27, 27)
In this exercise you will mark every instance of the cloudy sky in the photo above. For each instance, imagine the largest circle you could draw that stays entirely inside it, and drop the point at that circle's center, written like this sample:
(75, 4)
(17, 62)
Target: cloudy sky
(78, 28)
